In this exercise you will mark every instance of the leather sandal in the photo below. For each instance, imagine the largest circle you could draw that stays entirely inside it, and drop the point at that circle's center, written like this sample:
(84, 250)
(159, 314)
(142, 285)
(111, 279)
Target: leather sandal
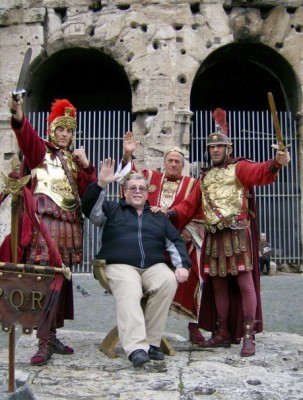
(60, 348)
(44, 353)
(195, 336)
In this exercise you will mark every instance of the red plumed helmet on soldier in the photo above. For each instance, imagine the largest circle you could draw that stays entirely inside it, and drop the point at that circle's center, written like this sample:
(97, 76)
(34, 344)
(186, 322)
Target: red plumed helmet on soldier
(221, 134)
(63, 113)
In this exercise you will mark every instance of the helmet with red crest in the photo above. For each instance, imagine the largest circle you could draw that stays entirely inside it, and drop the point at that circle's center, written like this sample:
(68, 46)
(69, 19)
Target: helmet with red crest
(221, 134)
(63, 114)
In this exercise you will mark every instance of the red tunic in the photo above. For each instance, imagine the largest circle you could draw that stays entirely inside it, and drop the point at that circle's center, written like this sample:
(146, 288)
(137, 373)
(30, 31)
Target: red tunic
(249, 174)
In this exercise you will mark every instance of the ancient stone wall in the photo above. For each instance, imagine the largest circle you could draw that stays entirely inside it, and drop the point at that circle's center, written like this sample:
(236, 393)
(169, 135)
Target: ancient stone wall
(160, 45)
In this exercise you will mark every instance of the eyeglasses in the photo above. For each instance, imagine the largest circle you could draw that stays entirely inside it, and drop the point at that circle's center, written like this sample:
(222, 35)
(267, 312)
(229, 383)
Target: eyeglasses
(134, 189)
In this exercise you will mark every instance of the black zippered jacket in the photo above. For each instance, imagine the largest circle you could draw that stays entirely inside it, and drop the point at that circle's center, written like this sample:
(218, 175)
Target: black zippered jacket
(129, 238)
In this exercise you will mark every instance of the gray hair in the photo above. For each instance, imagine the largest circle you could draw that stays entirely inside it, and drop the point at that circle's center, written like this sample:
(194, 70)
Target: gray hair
(175, 150)
(136, 176)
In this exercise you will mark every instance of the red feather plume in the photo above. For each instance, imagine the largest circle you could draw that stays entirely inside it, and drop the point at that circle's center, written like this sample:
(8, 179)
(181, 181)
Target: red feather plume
(58, 109)
(219, 115)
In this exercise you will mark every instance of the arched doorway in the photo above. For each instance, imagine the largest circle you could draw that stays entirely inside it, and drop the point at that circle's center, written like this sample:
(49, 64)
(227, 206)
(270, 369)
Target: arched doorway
(90, 79)
(237, 78)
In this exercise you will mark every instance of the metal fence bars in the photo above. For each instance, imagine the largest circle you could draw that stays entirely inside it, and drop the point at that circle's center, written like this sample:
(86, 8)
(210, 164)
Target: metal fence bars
(252, 133)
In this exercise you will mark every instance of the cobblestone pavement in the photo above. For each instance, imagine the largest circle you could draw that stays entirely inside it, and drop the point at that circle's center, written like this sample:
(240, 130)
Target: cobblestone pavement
(282, 300)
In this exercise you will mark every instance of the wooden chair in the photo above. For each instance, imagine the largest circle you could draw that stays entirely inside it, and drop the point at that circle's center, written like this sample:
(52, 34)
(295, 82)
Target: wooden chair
(111, 339)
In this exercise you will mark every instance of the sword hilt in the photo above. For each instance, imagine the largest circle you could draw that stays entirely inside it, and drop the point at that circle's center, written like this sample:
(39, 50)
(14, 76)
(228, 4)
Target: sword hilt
(16, 97)
(280, 147)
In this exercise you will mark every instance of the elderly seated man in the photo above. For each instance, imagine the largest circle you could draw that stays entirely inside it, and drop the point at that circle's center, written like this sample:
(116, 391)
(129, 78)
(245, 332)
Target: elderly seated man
(134, 242)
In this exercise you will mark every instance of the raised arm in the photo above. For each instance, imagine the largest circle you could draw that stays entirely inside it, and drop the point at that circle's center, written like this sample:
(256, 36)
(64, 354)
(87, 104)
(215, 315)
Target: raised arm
(32, 147)
(129, 146)
(93, 198)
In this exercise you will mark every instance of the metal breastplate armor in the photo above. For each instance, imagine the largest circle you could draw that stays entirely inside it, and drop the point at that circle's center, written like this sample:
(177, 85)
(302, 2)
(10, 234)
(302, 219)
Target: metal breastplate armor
(53, 182)
(226, 193)
(56, 205)
(227, 247)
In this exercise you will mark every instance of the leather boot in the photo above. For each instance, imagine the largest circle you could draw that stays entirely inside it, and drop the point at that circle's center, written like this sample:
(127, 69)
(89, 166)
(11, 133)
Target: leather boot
(221, 338)
(59, 347)
(45, 351)
(195, 336)
(248, 348)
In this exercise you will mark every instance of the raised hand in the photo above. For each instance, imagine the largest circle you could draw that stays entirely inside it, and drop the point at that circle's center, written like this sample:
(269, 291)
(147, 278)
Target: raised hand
(15, 107)
(129, 145)
(106, 174)
(79, 155)
(282, 157)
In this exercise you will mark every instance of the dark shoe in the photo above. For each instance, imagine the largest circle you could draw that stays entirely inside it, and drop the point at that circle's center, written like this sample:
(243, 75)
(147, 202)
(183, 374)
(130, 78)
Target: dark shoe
(60, 348)
(155, 353)
(138, 358)
(44, 353)
(221, 338)
(217, 341)
(195, 336)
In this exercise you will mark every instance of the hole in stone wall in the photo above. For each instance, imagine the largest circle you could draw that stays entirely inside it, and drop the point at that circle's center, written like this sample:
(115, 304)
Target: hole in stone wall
(179, 39)
(291, 10)
(181, 79)
(166, 131)
(123, 7)
(156, 44)
(142, 116)
(195, 8)
(150, 113)
(8, 156)
(298, 28)
(134, 25)
(95, 6)
(264, 12)
(183, 51)
(279, 45)
(130, 57)
(227, 8)
(144, 27)
(92, 32)
(195, 27)
(208, 44)
(177, 27)
(62, 12)
(135, 84)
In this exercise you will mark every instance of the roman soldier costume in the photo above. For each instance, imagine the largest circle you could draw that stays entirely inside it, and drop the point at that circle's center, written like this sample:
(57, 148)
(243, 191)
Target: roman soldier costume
(230, 249)
(58, 181)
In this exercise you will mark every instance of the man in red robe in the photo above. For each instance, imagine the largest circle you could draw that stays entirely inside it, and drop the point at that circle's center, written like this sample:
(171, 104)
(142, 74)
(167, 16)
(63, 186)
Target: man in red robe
(60, 176)
(166, 190)
(230, 305)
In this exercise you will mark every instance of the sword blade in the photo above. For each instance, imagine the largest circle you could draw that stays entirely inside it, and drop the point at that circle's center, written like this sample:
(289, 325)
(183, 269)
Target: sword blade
(276, 122)
(19, 92)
